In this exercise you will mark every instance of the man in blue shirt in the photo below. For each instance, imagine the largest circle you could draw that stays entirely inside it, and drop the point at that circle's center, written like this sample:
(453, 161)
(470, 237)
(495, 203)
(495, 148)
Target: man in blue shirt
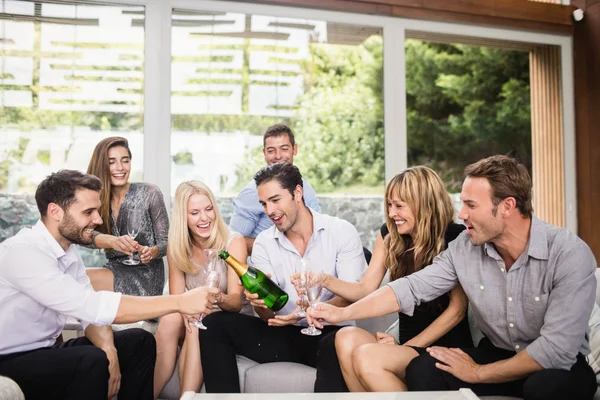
(249, 217)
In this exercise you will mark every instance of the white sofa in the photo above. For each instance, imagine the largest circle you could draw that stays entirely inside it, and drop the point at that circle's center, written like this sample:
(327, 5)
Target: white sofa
(291, 377)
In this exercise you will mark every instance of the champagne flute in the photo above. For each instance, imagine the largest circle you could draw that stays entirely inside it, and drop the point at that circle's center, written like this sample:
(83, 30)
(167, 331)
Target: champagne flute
(135, 221)
(314, 290)
(300, 282)
(211, 280)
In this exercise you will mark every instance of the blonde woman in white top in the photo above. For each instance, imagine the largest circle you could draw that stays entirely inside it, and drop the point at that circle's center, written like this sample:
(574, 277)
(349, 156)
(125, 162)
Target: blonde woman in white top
(196, 225)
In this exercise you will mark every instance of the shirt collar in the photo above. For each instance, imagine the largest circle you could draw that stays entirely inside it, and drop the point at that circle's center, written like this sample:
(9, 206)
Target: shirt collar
(40, 228)
(319, 223)
(537, 247)
(538, 239)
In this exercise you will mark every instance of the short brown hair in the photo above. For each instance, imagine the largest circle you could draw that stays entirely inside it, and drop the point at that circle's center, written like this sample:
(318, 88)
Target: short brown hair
(60, 188)
(507, 177)
(278, 130)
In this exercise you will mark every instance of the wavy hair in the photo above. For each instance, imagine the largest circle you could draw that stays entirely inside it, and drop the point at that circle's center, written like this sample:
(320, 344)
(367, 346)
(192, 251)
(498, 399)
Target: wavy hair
(99, 166)
(423, 191)
(181, 243)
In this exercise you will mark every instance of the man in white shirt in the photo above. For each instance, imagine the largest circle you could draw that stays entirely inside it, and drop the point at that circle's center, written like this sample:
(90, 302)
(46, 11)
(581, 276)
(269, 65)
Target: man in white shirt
(328, 243)
(43, 280)
(249, 218)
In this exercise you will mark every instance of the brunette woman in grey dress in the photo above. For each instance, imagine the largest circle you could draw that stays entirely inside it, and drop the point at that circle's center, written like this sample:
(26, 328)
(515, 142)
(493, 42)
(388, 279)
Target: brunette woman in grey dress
(111, 162)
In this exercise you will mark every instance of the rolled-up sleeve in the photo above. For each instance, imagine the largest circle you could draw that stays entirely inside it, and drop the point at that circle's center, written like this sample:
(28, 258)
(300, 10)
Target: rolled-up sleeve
(350, 263)
(45, 283)
(426, 284)
(569, 307)
(245, 218)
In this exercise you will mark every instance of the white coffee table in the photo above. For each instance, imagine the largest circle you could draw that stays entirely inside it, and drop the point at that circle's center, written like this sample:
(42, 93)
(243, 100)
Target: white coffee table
(462, 394)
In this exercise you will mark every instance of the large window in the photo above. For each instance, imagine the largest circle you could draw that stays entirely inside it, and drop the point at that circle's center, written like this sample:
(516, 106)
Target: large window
(70, 75)
(465, 103)
(233, 75)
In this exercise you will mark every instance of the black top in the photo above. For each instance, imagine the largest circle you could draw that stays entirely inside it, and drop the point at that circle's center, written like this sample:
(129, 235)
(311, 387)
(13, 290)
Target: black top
(426, 313)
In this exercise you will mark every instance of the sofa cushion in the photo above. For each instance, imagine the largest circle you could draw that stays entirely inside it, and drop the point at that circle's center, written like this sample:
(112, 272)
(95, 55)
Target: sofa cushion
(171, 389)
(280, 377)
(10, 390)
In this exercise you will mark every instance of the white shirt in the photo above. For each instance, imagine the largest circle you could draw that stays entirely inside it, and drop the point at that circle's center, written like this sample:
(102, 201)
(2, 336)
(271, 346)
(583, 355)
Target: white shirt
(335, 247)
(40, 285)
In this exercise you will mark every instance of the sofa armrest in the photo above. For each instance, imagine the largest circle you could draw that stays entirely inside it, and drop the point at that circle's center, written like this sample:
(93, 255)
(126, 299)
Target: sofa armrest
(10, 390)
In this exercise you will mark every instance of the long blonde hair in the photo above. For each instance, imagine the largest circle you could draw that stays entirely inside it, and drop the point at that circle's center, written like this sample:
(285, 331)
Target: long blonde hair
(99, 166)
(181, 244)
(423, 191)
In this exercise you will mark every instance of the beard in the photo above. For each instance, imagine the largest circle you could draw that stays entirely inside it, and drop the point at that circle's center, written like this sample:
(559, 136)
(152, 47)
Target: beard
(485, 234)
(73, 232)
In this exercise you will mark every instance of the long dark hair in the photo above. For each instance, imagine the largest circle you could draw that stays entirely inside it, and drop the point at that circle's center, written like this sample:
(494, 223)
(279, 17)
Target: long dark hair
(100, 167)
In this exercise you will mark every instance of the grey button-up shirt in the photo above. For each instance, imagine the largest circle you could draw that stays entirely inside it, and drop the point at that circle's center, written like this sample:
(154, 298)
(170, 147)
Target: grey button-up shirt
(541, 304)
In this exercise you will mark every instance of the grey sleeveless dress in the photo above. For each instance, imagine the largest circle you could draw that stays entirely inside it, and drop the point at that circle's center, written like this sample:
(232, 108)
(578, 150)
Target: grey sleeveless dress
(142, 279)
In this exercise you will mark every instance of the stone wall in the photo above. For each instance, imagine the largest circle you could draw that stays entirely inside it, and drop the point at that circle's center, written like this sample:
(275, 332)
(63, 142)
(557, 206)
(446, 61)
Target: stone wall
(364, 212)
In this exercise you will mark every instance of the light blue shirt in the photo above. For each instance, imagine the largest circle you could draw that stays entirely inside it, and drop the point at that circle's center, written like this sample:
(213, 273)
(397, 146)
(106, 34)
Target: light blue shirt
(249, 217)
(334, 247)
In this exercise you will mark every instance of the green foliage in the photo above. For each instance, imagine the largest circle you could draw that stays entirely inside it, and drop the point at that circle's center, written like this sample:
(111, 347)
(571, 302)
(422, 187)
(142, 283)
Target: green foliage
(339, 122)
(12, 156)
(183, 158)
(465, 103)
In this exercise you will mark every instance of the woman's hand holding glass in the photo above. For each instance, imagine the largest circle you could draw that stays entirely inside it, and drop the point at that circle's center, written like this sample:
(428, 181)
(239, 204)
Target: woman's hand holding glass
(298, 279)
(211, 280)
(148, 254)
(135, 224)
(314, 291)
(124, 244)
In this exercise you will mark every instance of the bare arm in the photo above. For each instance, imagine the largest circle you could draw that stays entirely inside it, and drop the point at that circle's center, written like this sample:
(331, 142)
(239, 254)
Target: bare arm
(133, 308)
(249, 244)
(338, 301)
(176, 277)
(381, 302)
(124, 243)
(448, 319)
(354, 291)
(102, 337)
(232, 301)
(517, 367)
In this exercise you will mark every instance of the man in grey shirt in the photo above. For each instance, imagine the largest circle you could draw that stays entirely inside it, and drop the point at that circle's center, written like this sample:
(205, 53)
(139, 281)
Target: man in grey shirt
(531, 286)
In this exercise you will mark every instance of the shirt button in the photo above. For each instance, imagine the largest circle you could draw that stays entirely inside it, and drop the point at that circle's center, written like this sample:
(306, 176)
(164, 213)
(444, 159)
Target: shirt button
(517, 347)
(511, 325)
(481, 287)
(510, 299)
(537, 298)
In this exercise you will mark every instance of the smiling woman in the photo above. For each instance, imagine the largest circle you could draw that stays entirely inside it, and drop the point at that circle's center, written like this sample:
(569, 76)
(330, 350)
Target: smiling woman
(120, 202)
(197, 229)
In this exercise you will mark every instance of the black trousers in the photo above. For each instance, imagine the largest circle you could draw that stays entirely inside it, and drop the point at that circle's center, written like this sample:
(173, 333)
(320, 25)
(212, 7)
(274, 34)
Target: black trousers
(549, 384)
(229, 334)
(77, 369)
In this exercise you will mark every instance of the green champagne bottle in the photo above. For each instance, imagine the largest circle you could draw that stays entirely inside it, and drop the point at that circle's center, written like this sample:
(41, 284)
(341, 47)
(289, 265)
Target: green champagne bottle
(255, 281)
